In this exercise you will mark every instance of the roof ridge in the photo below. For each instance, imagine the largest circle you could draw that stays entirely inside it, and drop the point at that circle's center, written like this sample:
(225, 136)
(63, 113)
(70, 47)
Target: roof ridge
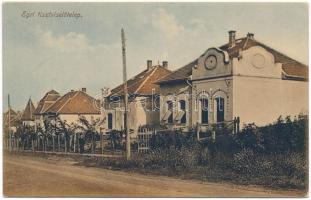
(128, 86)
(67, 101)
(146, 79)
(279, 52)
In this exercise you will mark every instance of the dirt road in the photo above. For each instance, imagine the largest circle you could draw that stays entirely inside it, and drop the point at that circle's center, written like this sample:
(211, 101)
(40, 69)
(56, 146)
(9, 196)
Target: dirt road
(56, 177)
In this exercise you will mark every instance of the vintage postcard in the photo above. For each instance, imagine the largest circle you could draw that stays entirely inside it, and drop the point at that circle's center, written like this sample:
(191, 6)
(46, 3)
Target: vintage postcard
(158, 99)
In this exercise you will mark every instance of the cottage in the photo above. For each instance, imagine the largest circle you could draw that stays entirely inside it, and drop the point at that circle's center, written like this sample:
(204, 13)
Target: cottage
(49, 99)
(72, 105)
(243, 78)
(28, 118)
(143, 100)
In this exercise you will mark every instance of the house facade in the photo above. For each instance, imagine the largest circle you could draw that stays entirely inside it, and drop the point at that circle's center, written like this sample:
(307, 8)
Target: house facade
(143, 100)
(243, 78)
(71, 106)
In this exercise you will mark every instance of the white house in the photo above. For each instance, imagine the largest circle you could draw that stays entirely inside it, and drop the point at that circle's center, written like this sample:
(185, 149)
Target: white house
(143, 104)
(72, 105)
(243, 78)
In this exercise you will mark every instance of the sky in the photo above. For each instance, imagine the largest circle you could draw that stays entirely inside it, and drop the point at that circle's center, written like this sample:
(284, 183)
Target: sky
(65, 53)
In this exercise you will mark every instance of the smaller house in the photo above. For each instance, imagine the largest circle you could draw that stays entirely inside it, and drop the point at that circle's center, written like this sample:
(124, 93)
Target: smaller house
(72, 105)
(12, 117)
(49, 99)
(28, 117)
(143, 101)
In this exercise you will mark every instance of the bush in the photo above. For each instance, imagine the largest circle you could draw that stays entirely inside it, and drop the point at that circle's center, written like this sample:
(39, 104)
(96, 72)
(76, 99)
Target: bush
(273, 156)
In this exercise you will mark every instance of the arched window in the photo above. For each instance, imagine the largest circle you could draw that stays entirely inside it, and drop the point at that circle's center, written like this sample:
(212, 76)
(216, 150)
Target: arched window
(170, 109)
(181, 116)
(204, 111)
(110, 121)
(220, 109)
(168, 116)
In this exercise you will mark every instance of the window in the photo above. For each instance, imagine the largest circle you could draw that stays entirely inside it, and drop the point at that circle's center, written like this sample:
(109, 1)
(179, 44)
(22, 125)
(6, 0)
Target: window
(109, 121)
(204, 111)
(168, 116)
(220, 111)
(181, 117)
(170, 109)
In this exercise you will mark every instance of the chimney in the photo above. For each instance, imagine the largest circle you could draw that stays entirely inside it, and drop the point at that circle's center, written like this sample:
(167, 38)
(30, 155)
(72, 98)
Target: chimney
(165, 64)
(84, 89)
(231, 39)
(71, 90)
(149, 64)
(250, 36)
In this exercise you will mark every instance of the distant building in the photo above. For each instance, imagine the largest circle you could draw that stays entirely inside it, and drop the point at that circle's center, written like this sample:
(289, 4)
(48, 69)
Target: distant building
(243, 78)
(73, 105)
(49, 99)
(143, 102)
(13, 117)
(28, 117)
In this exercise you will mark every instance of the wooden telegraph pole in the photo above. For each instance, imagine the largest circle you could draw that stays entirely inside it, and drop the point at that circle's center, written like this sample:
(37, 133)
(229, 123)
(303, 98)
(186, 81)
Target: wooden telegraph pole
(9, 123)
(128, 140)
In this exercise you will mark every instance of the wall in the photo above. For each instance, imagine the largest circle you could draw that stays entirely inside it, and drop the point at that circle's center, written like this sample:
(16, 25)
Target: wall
(219, 67)
(212, 88)
(175, 92)
(73, 118)
(263, 100)
(141, 112)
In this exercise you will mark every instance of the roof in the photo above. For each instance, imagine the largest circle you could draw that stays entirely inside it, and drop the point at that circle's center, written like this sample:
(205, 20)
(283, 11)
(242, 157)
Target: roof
(48, 99)
(13, 118)
(28, 114)
(180, 74)
(291, 67)
(75, 102)
(144, 82)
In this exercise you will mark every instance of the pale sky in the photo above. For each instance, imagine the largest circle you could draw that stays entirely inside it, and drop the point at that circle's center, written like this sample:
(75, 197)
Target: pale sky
(40, 54)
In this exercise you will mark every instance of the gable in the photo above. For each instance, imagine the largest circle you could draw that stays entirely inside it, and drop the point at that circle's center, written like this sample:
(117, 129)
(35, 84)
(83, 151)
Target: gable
(213, 63)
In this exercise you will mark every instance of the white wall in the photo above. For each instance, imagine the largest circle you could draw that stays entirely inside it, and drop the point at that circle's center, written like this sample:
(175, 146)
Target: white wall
(218, 87)
(71, 118)
(263, 100)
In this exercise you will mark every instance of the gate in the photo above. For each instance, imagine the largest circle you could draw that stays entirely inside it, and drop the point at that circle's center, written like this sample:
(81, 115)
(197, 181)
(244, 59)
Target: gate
(144, 137)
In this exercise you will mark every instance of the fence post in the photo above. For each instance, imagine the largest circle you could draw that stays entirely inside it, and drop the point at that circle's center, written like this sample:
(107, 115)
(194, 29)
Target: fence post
(234, 125)
(101, 142)
(74, 142)
(53, 141)
(58, 138)
(238, 124)
(65, 144)
(198, 132)
(33, 145)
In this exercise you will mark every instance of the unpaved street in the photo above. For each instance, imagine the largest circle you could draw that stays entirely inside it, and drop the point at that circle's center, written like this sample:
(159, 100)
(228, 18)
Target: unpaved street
(39, 177)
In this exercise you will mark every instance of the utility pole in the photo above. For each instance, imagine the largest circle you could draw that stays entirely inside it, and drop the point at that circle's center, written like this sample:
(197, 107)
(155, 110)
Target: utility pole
(9, 122)
(128, 139)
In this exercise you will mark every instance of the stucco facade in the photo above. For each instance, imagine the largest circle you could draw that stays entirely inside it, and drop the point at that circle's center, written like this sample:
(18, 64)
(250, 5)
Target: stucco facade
(143, 100)
(243, 78)
(142, 111)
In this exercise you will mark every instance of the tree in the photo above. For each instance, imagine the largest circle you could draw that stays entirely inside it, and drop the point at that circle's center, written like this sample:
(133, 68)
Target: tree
(90, 129)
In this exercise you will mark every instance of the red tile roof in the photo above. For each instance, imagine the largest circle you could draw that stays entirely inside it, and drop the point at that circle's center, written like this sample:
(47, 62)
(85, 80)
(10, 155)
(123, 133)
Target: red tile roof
(75, 102)
(144, 82)
(291, 67)
(48, 99)
(28, 114)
